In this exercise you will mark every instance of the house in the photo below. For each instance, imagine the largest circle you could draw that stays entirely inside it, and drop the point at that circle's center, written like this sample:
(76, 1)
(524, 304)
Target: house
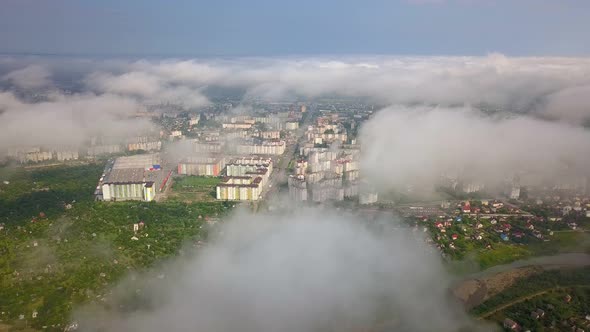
(466, 208)
(504, 237)
(493, 221)
(479, 225)
(510, 324)
(518, 234)
(497, 205)
(438, 225)
(567, 298)
(454, 236)
(536, 314)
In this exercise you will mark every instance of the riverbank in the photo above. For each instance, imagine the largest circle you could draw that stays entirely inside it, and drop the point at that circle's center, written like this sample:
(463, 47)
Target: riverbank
(476, 288)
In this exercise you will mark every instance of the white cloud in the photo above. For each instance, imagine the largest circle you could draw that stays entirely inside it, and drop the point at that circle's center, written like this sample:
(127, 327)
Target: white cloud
(515, 84)
(32, 76)
(66, 119)
(312, 270)
(417, 145)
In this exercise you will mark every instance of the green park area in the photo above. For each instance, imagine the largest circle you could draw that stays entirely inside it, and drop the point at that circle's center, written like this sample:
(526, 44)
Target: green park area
(194, 188)
(60, 249)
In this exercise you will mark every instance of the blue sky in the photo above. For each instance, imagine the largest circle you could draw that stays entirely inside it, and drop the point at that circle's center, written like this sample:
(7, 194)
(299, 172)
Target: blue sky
(301, 27)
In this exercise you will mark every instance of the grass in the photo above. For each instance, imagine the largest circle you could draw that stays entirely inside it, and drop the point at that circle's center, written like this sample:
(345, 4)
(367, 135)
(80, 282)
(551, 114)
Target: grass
(195, 183)
(561, 242)
(194, 188)
(502, 254)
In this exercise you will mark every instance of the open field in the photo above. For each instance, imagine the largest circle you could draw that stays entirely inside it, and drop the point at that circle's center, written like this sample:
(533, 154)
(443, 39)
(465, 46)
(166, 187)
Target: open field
(194, 188)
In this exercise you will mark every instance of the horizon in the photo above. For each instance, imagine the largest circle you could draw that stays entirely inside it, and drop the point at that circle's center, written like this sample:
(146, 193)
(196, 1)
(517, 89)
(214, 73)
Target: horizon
(264, 28)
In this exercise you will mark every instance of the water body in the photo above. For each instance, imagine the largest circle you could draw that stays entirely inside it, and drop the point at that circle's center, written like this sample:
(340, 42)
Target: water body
(474, 289)
(565, 260)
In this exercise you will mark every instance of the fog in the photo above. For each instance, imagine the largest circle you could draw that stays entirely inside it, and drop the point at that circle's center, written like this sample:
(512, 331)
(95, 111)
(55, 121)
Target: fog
(486, 118)
(33, 76)
(85, 96)
(417, 145)
(67, 120)
(313, 270)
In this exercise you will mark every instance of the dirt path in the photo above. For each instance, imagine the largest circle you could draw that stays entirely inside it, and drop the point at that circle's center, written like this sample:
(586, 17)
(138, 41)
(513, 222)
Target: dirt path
(515, 301)
(524, 298)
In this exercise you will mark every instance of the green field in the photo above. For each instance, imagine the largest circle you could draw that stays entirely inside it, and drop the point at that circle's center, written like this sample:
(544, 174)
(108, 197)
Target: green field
(194, 188)
(65, 257)
(502, 254)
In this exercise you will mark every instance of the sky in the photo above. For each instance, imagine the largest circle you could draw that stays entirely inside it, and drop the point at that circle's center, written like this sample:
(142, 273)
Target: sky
(303, 27)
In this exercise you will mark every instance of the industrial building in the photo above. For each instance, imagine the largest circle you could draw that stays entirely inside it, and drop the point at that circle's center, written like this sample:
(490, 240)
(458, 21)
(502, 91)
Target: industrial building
(202, 166)
(133, 178)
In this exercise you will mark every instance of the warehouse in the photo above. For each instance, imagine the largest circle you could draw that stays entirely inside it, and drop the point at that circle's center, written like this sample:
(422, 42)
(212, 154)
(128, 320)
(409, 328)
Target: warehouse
(133, 178)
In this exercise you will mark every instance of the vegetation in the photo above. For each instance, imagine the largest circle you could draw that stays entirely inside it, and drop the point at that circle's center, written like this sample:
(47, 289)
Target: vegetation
(195, 188)
(546, 280)
(562, 296)
(59, 248)
(502, 254)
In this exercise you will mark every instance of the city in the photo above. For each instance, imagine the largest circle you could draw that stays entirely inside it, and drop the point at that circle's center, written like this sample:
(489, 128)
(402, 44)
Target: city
(304, 167)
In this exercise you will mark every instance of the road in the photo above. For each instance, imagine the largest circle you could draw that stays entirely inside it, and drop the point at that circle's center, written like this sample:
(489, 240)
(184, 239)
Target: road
(279, 174)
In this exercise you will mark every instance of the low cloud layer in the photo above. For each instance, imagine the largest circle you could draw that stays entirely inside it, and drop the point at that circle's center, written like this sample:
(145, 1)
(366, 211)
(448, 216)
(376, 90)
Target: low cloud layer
(554, 90)
(513, 84)
(417, 145)
(313, 271)
(29, 77)
(148, 88)
(66, 120)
